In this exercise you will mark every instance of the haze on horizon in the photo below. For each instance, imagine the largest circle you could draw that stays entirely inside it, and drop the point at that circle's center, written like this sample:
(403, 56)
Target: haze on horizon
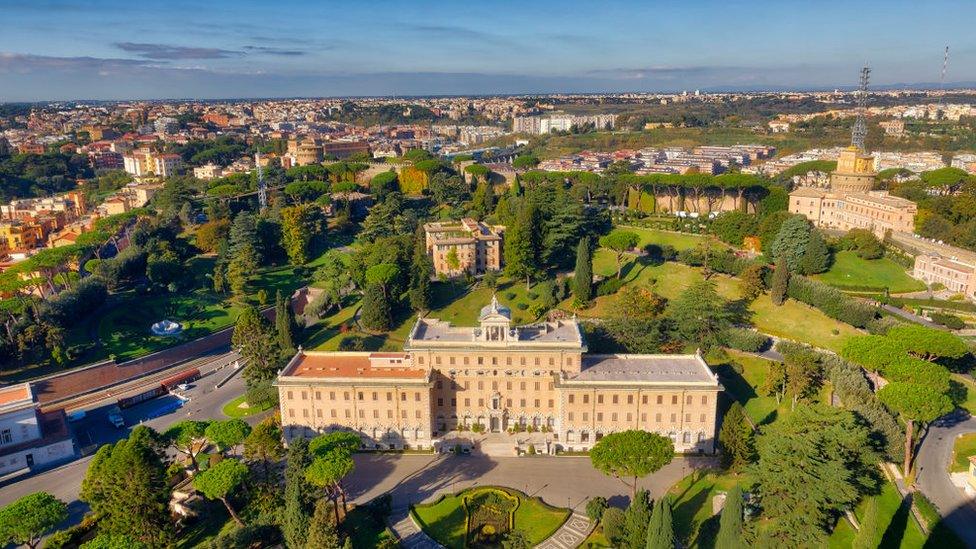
(57, 50)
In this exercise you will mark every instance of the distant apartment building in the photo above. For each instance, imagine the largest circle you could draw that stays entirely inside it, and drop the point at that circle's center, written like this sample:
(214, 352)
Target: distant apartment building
(106, 160)
(561, 122)
(147, 163)
(18, 236)
(894, 128)
(208, 171)
(779, 126)
(965, 162)
(465, 246)
(955, 275)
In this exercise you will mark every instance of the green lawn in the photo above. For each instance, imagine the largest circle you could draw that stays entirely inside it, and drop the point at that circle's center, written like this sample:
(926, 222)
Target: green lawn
(849, 270)
(965, 446)
(235, 410)
(445, 519)
(596, 540)
(744, 386)
(668, 279)
(800, 322)
(680, 241)
(896, 527)
(967, 387)
(694, 523)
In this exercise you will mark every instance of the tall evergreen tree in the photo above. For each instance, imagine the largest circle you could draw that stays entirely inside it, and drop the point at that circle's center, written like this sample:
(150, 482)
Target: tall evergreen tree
(660, 529)
(375, 314)
(730, 525)
(284, 324)
(322, 530)
(736, 436)
(583, 277)
(126, 488)
(421, 269)
(791, 241)
(816, 255)
(522, 245)
(636, 518)
(298, 496)
(781, 282)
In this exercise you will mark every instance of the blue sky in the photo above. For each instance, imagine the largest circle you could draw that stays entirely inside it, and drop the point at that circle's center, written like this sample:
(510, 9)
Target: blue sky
(283, 48)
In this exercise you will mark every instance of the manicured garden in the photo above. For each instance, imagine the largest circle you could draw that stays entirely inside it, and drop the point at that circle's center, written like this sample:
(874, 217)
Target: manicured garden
(743, 377)
(481, 517)
(850, 271)
(679, 241)
(896, 527)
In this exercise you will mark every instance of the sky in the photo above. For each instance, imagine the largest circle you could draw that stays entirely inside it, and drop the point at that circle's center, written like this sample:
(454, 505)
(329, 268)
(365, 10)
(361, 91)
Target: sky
(133, 49)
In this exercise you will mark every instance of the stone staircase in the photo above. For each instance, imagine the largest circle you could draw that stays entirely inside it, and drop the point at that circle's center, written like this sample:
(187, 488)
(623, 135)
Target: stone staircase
(571, 534)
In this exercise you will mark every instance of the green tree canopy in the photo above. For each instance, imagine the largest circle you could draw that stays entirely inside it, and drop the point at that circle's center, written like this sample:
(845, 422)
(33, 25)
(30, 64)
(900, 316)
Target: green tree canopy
(700, 314)
(187, 437)
(917, 404)
(27, 519)
(631, 455)
(813, 463)
(620, 242)
(222, 480)
(730, 523)
(228, 433)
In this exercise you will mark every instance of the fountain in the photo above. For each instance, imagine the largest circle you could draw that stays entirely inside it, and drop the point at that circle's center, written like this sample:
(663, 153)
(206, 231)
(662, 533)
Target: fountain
(166, 328)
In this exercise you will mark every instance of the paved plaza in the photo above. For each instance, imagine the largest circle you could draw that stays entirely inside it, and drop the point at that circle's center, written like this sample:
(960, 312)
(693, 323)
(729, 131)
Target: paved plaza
(559, 481)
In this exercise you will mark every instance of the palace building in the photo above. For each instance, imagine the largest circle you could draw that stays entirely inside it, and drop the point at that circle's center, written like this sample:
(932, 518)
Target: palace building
(465, 246)
(498, 378)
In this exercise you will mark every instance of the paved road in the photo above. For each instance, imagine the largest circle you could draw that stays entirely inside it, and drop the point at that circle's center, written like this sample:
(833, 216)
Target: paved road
(933, 478)
(64, 482)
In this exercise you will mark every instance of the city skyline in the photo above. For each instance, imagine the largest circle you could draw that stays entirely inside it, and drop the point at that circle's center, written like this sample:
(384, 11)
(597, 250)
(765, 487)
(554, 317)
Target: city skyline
(113, 50)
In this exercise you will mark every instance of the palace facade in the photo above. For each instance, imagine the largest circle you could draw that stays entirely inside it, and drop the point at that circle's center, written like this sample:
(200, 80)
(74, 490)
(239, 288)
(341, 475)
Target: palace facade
(465, 246)
(498, 378)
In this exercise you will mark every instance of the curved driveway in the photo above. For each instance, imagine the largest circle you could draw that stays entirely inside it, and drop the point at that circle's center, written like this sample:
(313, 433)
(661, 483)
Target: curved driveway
(958, 512)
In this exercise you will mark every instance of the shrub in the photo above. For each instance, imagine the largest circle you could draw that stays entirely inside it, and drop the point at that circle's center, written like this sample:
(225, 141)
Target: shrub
(521, 306)
(608, 286)
(881, 325)
(510, 295)
(831, 301)
(950, 321)
(744, 339)
(614, 525)
(595, 508)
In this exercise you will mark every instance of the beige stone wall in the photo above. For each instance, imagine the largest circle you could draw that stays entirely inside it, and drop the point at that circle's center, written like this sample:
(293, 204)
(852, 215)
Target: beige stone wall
(687, 416)
(389, 415)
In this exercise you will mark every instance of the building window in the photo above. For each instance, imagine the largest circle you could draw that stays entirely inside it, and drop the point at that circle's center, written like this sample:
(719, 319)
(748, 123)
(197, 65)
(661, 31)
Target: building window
(453, 402)
(614, 399)
(599, 399)
(586, 416)
(704, 400)
(599, 416)
(703, 418)
(586, 399)
(660, 399)
(289, 395)
(674, 399)
(569, 416)
(571, 399)
(360, 396)
(440, 402)
(416, 397)
(688, 399)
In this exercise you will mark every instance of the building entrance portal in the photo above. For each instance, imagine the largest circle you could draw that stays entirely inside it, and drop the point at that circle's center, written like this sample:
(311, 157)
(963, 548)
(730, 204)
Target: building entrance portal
(496, 424)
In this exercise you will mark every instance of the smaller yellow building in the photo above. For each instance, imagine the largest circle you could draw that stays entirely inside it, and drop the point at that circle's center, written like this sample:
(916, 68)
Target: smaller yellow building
(465, 246)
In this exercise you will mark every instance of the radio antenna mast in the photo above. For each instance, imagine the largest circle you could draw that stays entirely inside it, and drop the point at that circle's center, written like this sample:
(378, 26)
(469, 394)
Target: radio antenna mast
(945, 65)
(262, 190)
(860, 130)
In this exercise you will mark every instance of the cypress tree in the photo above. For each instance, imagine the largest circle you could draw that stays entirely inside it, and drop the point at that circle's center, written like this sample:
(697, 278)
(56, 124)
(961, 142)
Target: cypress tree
(297, 514)
(322, 530)
(375, 313)
(583, 277)
(421, 270)
(816, 255)
(284, 324)
(636, 518)
(738, 441)
(730, 524)
(522, 245)
(660, 529)
(781, 281)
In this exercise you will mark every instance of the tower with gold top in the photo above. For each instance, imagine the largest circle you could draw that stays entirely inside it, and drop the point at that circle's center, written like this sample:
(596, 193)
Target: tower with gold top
(855, 167)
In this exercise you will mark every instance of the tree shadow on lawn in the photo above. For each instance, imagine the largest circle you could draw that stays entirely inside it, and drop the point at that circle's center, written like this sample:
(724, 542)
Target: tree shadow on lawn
(685, 511)
(896, 528)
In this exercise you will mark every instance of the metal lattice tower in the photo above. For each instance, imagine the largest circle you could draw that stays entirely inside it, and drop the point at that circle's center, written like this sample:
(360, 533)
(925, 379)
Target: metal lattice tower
(262, 188)
(945, 65)
(860, 130)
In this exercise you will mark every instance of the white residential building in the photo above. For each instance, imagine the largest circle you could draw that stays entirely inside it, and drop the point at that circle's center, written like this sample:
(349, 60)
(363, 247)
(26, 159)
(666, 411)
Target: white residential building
(30, 438)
